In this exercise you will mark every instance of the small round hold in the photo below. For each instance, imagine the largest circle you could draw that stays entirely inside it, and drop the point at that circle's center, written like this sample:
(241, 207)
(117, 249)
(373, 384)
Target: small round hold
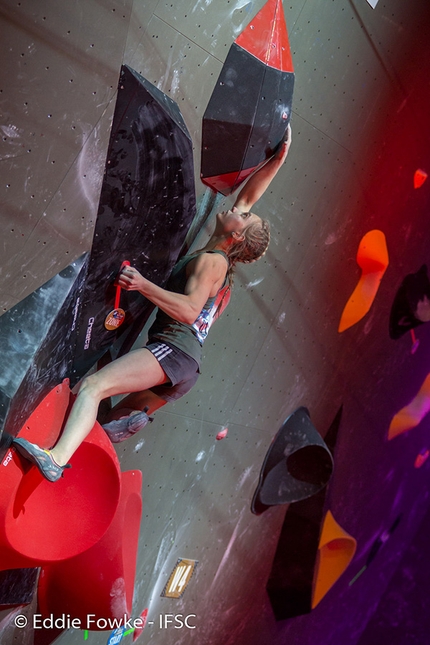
(415, 346)
(222, 434)
(114, 319)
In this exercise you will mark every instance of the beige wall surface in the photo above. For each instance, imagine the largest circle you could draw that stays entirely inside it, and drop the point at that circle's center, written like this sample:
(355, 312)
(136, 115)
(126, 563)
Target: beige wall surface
(360, 130)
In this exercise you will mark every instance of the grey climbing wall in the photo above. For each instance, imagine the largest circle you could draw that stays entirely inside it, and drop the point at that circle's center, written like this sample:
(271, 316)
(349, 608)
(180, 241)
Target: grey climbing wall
(60, 69)
(360, 130)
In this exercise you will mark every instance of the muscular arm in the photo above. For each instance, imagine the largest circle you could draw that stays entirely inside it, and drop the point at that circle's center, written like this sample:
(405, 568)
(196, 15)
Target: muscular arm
(207, 270)
(261, 179)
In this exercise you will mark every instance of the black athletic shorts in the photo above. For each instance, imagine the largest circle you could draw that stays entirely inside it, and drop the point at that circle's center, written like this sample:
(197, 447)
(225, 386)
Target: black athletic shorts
(181, 369)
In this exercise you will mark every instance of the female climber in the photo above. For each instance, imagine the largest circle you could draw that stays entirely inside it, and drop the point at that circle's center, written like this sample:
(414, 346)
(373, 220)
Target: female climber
(168, 366)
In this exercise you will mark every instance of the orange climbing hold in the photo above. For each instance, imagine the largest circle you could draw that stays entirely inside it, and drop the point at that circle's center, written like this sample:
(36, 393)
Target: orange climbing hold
(413, 413)
(335, 552)
(372, 258)
(419, 178)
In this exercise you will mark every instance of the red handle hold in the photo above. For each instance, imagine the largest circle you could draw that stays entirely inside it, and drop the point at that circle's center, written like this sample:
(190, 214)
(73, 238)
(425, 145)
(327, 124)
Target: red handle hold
(126, 263)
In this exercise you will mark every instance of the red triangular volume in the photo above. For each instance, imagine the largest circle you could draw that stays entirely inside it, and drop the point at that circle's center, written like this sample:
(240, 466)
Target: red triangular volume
(266, 37)
(229, 181)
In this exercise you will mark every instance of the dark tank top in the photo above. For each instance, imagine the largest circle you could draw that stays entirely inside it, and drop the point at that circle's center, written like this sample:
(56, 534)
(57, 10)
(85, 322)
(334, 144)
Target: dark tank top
(189, 338)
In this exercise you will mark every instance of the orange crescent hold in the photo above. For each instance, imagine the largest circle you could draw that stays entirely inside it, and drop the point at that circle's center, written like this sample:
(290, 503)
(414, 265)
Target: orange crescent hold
(372, 258)
(413, 413)
(335, 551)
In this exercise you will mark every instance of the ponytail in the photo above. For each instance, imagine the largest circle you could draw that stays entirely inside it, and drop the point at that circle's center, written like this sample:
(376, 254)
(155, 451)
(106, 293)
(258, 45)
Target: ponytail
(251, 248)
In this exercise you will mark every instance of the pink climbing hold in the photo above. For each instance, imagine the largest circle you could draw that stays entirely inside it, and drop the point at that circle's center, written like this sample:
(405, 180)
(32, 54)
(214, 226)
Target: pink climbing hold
(421, 458)
(222, 434)
(139, 628)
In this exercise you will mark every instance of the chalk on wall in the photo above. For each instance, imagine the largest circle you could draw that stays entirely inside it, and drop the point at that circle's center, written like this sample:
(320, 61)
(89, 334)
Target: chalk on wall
(36, 344)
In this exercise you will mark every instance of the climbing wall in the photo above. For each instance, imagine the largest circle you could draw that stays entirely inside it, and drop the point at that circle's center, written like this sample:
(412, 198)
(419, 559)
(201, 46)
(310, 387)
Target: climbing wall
(58, 86)
(360, 132)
